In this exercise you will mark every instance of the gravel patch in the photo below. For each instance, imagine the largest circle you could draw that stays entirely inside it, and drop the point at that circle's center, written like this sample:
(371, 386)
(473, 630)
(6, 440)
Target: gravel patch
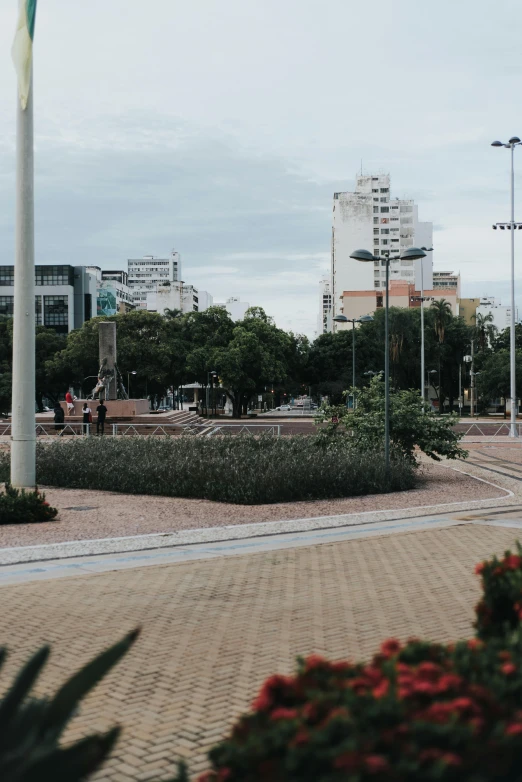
(87, 515)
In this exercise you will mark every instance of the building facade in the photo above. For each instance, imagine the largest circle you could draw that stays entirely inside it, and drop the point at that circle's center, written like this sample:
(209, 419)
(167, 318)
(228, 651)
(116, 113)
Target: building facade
(324, 320)
(501, 315)
(65, 295)
(446, 281)
(236, 308)
(402, 294)
(370, 219)
(146, 275)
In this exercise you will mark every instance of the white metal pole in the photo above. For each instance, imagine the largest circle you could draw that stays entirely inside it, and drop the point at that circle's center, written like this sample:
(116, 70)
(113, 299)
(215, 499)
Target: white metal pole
(23, 450)
(472, 379)
(513, 428)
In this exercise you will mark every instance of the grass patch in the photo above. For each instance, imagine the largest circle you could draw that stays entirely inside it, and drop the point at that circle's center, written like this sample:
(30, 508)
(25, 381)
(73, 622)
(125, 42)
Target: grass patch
(242, 470)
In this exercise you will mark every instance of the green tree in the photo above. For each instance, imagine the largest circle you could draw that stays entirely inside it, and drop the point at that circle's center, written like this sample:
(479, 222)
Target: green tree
(494, 381)
(485, 331)
(442, 317)
(412, 424)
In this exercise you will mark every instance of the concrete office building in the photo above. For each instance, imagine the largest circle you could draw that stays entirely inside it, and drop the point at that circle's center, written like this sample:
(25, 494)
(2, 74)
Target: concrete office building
(324, 319)
(402, 294)
(147, 274)
(501, 314)
(446, 280)
(370, 219)
(113, 295)
(65, 295)
(235, 307)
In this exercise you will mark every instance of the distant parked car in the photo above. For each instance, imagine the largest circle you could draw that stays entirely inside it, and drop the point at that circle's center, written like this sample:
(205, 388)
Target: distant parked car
(284, 407)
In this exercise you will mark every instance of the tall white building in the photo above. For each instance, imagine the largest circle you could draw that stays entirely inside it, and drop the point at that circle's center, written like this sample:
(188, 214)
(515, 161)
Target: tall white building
(324, 319)
(147, 274)
(370, 219)
(501, 314)
(235, 307)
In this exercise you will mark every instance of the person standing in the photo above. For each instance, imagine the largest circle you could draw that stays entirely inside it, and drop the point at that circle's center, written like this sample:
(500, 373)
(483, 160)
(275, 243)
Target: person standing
(70, 403)
(87, 417)
(101, 411)
(59, 417)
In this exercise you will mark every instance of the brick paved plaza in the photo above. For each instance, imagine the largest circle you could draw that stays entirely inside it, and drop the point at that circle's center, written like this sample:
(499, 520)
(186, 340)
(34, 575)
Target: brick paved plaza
(213, 629)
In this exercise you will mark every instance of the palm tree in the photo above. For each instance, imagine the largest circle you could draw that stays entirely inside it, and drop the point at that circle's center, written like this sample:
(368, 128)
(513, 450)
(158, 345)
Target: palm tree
(443, 315)
(172, 314)
(485, 330)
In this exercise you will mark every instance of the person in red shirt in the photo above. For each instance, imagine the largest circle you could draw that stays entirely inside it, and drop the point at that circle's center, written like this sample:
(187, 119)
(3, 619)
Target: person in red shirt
(70, 403)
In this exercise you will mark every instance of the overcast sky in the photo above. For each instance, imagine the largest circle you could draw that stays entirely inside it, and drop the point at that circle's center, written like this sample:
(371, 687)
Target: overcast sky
(221, 128)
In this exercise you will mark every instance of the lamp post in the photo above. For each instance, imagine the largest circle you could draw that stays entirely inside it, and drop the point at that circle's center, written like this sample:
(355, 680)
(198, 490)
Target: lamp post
(353, 321)
(212, 373)
(411, 254)
(132, 372)
(513, 142)
(423, 391)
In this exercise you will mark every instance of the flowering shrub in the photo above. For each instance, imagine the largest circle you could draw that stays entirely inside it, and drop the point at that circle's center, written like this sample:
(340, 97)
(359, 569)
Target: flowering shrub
(415, 712)
(500, 609)
(22, 507)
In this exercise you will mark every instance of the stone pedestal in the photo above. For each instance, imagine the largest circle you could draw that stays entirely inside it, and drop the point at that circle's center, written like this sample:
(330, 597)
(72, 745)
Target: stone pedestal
(116, 408)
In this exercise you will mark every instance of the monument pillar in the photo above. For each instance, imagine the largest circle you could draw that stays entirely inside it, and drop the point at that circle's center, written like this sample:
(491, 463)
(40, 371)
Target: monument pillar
(107, 348)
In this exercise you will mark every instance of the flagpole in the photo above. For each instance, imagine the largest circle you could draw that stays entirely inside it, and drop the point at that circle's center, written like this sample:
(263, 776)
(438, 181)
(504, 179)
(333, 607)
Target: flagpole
(23, 447)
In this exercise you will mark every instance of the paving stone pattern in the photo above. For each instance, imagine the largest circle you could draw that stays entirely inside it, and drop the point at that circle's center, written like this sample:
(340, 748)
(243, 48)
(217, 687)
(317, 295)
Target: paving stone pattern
(214, 629)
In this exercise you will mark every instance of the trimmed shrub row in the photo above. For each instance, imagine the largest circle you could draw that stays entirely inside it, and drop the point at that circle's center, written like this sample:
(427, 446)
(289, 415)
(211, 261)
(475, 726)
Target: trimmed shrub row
(243, 470)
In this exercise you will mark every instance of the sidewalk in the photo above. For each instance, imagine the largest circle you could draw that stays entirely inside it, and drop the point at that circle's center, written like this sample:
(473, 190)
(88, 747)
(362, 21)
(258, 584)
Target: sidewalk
(214, 629)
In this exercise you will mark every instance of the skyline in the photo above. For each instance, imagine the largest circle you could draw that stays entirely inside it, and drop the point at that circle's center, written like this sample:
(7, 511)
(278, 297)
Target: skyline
(223, 132)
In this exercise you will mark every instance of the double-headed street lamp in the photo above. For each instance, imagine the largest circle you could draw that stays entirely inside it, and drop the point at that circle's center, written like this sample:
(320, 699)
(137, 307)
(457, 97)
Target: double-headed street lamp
(513, 142)
(129, 373)
(411, 254)
(353, 321)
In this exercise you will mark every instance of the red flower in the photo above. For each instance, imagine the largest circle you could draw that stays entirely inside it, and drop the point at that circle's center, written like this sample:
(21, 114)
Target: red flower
(512, 562)
(508, 669)
(284, 714)
(314, 661)
(480, 568)
(474, 644)
(223, 774)
(505, 655)
(515, 729)
(382, 689)
(429, 671)
(45, 503)
(390, 647)
(266, 698)
(375, 764)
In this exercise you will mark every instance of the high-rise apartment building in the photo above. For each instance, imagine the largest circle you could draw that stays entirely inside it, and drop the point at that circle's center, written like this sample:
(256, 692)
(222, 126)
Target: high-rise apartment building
(370, 219)
(324, 320)
(147, 274)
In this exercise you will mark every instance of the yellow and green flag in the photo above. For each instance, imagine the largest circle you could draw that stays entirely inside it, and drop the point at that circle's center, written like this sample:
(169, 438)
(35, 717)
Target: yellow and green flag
(22, 51)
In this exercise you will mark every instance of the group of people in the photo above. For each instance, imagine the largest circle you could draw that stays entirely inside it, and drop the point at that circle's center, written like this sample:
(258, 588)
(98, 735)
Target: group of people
(59, 415)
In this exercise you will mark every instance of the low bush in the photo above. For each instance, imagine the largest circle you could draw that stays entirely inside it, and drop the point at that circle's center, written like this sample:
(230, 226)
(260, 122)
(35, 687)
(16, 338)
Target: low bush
(417, 711)
(4, 467)
(244, 469)
(24, 507)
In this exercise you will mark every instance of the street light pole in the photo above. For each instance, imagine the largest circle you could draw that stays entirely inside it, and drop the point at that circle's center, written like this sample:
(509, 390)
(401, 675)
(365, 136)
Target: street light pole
(411, 254)
(513, 142)
(353, 321)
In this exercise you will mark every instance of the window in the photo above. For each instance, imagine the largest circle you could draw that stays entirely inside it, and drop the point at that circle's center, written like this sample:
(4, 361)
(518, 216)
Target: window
(385, 230)
(377, 284)
(384, 200)
(6, 306)
(376, 232)
(375, 220)
(376, 263)
(385, 209)
(385, 241)
(385, 189)
(6, 275)
(376, 274)
(56, 312)
(375, 209)
(375, 190)
(54, 275)
(394, 240)
(375, 199)
(379, 301)
(38, 310)
(376, 240)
